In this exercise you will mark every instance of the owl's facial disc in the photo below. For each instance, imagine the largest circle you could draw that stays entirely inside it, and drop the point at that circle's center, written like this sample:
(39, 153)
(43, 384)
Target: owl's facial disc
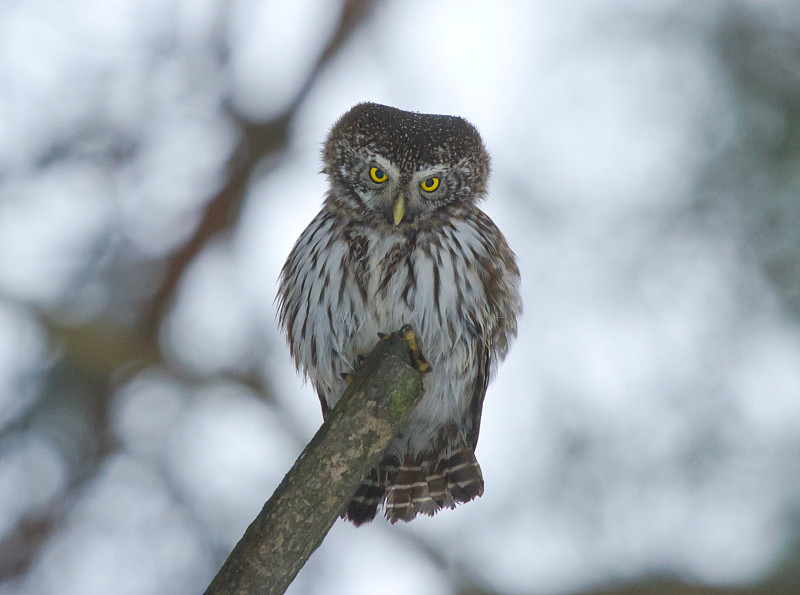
(375, 153)
(417, 194)
(378, 185)
(401, 191)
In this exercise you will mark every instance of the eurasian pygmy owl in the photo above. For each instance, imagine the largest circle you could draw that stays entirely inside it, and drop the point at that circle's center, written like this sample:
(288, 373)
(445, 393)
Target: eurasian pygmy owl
(400, 240)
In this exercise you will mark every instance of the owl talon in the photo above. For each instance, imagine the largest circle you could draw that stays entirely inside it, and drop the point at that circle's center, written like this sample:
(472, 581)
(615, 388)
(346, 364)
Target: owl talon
(422, 366)
(349, 376)
(417, 359)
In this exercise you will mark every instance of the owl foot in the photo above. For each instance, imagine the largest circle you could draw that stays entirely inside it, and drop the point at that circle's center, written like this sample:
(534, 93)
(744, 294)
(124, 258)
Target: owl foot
(417, 359)
(348, 376)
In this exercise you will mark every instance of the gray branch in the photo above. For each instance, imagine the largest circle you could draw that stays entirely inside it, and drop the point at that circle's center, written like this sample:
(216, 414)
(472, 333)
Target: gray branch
(316, 490)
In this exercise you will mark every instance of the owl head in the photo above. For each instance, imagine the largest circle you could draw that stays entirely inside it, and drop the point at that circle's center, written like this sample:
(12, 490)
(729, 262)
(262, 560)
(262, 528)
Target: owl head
(403, 167)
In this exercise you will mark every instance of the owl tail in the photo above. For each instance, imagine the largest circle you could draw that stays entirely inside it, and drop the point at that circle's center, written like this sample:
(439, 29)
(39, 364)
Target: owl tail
(421, 485)
(364, 504)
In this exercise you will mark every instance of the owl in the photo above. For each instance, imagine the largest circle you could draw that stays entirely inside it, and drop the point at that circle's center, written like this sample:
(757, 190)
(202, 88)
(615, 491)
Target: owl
(400, 240)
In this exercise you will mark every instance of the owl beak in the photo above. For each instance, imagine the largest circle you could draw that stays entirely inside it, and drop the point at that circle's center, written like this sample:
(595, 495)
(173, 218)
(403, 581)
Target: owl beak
(399, 208)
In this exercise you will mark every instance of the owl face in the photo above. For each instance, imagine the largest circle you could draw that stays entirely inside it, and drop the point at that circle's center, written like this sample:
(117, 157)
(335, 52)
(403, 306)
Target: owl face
(402, 167)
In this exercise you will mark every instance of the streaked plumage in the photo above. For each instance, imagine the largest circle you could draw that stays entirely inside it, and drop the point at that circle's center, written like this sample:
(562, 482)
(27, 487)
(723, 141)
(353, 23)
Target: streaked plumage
(383, 252)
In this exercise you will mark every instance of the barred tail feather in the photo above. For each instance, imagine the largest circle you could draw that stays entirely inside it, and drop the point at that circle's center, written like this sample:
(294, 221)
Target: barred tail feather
(400, 505)
(463, 475)
(409, 494)
(421, 485)
(364, 505)
(437, 487)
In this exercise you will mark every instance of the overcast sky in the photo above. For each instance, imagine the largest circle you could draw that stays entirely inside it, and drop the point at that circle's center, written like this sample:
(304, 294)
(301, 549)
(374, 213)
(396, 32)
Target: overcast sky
(647, 418)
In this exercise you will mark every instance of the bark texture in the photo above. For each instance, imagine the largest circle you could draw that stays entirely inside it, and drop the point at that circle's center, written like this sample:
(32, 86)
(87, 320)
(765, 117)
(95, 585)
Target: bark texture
(313, 494)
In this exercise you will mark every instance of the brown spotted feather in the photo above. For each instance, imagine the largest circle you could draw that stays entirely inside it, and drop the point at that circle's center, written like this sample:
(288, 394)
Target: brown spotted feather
(444, 268)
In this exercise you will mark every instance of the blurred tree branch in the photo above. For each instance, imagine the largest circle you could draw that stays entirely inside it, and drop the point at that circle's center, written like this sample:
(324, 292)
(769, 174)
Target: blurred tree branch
(258, 140)
(100, 349)
(313, 494)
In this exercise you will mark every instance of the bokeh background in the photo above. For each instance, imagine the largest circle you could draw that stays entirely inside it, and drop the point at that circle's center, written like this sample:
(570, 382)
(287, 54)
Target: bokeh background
(158, 158)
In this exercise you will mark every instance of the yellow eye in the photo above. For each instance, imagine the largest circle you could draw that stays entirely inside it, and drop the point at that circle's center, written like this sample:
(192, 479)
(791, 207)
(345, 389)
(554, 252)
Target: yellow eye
(430, 184)
(378, 175)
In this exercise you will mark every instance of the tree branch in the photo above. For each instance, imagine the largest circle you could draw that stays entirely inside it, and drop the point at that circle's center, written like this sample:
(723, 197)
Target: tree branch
(295, 520)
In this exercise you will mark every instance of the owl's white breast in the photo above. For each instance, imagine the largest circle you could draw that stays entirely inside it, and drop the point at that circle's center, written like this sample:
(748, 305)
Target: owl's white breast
(439, 309)
(343, 286)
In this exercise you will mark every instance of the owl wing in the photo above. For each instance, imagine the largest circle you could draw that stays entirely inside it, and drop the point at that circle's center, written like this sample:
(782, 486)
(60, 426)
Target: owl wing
(483, 356)
(500, 277)
(326, 409)
(303, 279)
